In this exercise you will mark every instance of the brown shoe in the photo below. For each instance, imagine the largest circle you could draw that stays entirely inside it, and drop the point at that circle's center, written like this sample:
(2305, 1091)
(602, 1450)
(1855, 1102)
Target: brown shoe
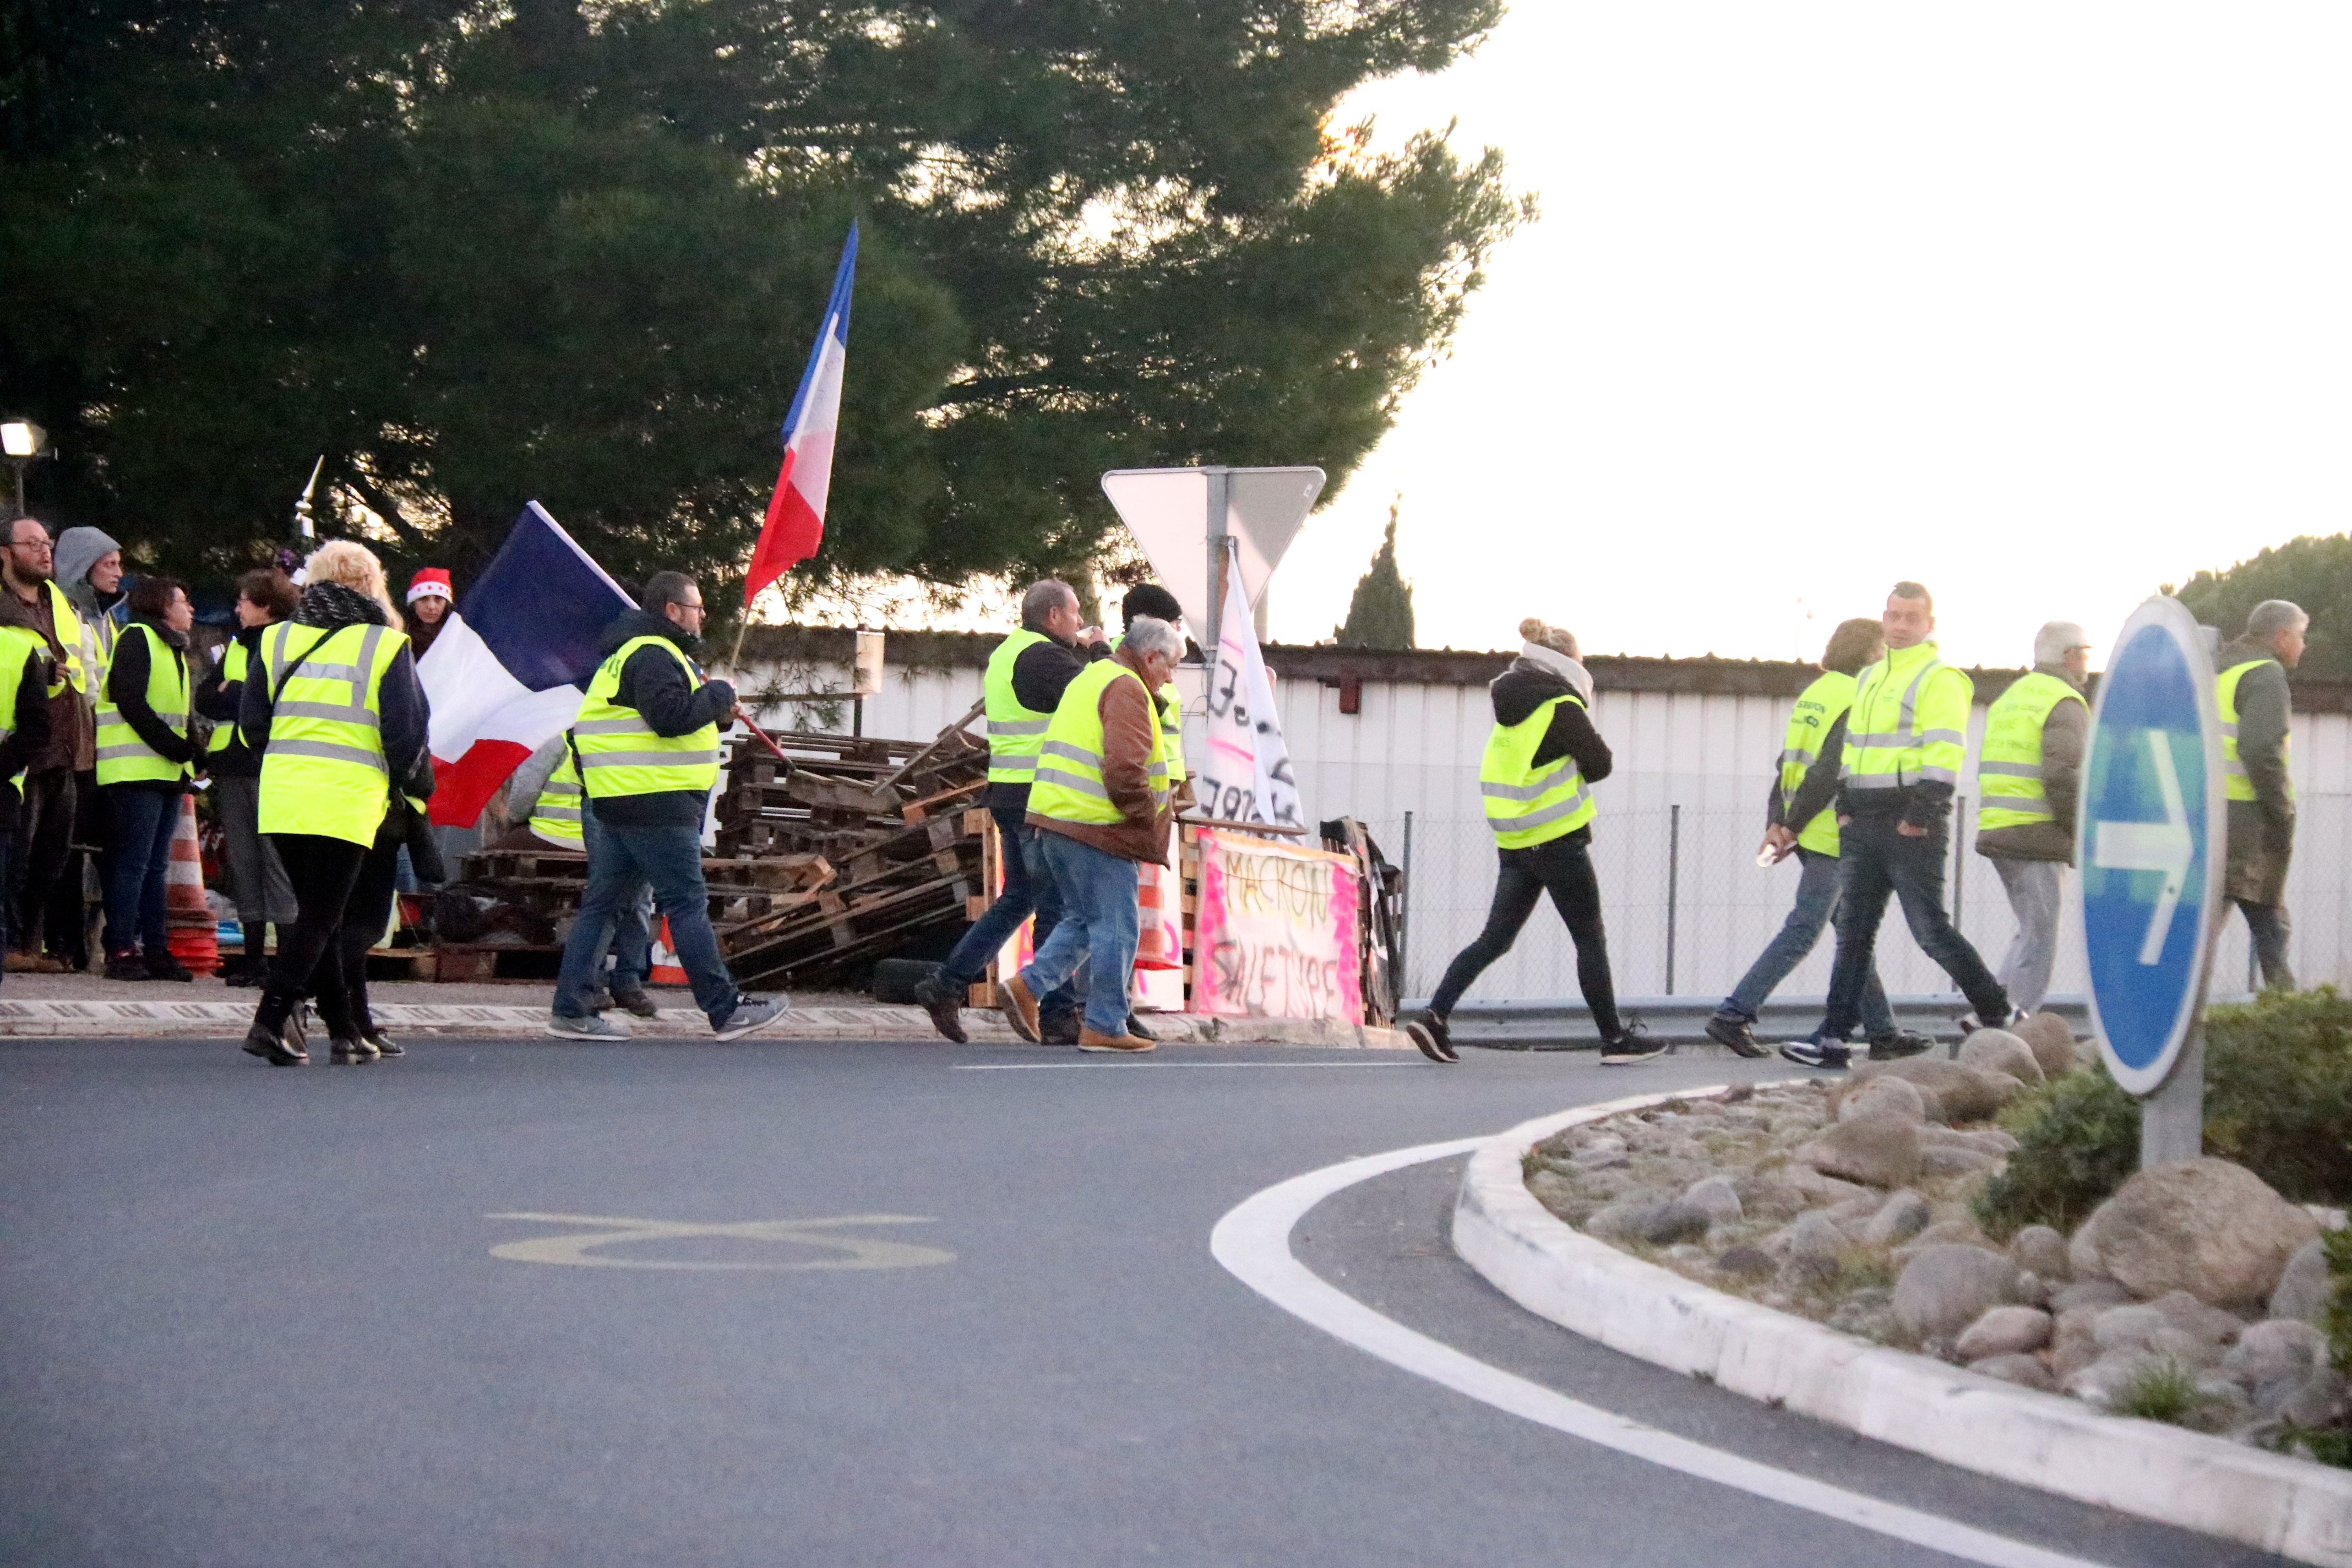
(1090, 1041)
(1020, 1008)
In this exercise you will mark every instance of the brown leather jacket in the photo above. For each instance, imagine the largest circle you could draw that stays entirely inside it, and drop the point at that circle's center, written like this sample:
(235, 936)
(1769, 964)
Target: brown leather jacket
(1126, 708)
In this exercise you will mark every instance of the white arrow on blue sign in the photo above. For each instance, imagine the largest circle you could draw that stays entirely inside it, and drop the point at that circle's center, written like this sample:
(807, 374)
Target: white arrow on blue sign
(2150, 836)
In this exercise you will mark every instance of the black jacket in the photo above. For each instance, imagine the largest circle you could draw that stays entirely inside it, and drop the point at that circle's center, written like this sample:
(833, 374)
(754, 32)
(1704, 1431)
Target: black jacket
(1041, 673)
(1527, 686)
(29, 733)
(654, 684)
(400, 709)
(126, 688)
(218, 699)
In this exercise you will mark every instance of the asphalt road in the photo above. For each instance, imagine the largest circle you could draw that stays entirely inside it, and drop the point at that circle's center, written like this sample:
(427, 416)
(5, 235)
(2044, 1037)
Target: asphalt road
(254, 1317)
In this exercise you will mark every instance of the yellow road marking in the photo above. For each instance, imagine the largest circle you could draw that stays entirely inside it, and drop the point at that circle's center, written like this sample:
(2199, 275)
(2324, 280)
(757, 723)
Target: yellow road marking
(858, 1251)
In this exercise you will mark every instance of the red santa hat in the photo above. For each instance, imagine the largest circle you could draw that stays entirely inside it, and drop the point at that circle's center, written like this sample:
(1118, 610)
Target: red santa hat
(431, 582)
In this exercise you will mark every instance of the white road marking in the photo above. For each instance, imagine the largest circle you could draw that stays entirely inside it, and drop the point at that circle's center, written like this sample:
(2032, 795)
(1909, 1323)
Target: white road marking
(1040, 1066)
(1253, 1243)
(857, 1251)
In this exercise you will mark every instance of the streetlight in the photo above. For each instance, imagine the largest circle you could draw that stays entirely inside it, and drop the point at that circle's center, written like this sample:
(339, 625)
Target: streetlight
(21, 441)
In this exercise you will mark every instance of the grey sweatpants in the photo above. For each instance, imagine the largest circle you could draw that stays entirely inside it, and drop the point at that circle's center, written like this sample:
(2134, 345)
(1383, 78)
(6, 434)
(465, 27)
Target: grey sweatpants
(2034, 888)
(257, 878)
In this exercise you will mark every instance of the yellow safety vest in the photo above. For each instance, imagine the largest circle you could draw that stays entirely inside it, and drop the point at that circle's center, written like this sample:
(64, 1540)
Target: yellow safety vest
(1171, 703)
(1070, 779)
(1817, 711)
(2236, 783)
(1014, 732)
(555, 815)
(89, 648)
(1909, 721)
(16, 642)
(619, 752)
(323, 770)
(2008, 772)
(1527, 805)
(123, 756)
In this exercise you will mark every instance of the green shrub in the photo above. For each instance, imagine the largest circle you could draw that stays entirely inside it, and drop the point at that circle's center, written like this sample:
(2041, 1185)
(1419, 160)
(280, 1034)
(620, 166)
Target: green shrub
(2161, 1391)
(2278, 1101)
(2339, 1311)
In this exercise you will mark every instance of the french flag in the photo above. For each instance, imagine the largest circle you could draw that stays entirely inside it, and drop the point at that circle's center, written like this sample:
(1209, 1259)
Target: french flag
(795, 524)
(513, 662)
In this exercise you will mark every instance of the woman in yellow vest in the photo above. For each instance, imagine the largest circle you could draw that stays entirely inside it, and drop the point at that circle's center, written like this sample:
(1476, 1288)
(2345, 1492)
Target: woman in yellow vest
(256, 878)
(1541, 759)
(27, 672)
(145, 759)
(334, 706)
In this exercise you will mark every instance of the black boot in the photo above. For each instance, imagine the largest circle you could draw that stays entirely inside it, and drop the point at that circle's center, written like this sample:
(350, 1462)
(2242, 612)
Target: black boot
(274, 1037)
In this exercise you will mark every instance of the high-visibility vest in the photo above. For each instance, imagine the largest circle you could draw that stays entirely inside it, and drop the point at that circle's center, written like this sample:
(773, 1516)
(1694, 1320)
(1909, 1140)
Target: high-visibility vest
(1014, 732)
(1526, 805)
(1068, 786)
(555, 815)
(619, 752)
(233, 662)
(1817, 711)
(1171, 703)
(323, 770)
(16, 643)
(123, 756)
(1909, 721)
(2008, 772)
(2236, 783)
(89, 648)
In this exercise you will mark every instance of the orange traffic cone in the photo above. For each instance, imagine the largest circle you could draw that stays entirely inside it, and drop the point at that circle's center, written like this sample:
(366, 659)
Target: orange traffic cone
(1155, 942)
(665, 966)
(194, 936)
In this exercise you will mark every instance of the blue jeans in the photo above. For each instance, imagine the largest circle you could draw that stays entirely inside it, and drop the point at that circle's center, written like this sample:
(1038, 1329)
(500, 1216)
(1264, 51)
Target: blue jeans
(622, 862)
(1098, 927)
(633, 950)
(1873, 862)
(140, 821)
(1817, 902)
(1024, 895)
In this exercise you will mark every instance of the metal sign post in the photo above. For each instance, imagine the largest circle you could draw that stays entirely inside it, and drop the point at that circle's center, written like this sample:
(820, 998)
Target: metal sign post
(2150, 839)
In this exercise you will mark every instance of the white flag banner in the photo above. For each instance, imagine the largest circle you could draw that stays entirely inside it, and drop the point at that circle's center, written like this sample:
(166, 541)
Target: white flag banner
(1249, 777)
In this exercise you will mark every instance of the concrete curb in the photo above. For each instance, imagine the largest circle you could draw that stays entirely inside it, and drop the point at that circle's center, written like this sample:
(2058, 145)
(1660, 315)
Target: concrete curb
(60, 1019)
(2299, 1510)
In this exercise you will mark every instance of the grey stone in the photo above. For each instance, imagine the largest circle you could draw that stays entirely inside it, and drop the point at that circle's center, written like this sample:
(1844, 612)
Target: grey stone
(1818, 1188)
(1943, 1160)
(2320, 1402)
(2025, 1371)
(1943, 1289)
(2030, 1289)
(1902, 1216)
(2041, 1250)
(1603, 1159)
(1983, 1139)
(1746, 1261)
(1716, 1197)
(1945, 1232)
(2220, 1406)
(2195, 1319)
(2092, 1293)
(2280, 1348)
(1963, 1093)
(2052, 1041)
(1809, 1250)
(2305, 1288)
(2207, 1227)
(2129, 1328)
(2104, 1380)
(1883, 1096)
(1657, 1223)
(2003, 1330)
(1998, 1050)
(1880, 1149)
(2082, 1255)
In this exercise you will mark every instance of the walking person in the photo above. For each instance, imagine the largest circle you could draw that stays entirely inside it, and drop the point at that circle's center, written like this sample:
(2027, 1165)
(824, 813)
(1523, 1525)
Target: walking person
(145, 759)
(2256, 715)
(30, 598)
(406, 831)
(552, 807)
(647, 743)
(2029, 777)
(334, 706)
(1800, 820)
(25, 672)
(257, 878)
(1907, 737)
(1542, 757)
(1027, 675)
(1099, 803)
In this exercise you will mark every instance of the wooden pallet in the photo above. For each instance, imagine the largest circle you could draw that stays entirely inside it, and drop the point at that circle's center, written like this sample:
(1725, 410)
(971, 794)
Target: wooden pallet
(478, 964)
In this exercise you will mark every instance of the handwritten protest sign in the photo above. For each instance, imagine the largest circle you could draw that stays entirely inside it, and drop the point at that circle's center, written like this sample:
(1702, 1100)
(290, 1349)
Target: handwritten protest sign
(1274, 935)
(1248, 777)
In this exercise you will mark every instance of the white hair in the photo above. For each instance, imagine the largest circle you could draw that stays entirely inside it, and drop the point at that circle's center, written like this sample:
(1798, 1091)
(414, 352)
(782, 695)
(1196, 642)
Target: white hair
(2272, 616)
(2056, 639)
(1148, 635)
(1043, 599)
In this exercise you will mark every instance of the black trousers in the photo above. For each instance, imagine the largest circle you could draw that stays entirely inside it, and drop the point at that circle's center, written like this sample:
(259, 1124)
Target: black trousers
(44, 839)
(1876, 862)
(1562, 867)
(343, 897)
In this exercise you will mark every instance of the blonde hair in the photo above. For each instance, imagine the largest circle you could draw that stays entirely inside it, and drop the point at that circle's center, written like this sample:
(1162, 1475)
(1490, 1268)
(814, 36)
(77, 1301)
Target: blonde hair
(1559, 639)
(354, 565)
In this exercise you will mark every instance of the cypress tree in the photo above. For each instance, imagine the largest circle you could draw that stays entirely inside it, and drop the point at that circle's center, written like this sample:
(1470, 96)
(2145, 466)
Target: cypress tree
(1380, 613)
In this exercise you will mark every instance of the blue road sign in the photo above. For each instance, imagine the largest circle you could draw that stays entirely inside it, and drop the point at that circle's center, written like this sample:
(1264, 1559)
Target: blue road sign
(2149, 839)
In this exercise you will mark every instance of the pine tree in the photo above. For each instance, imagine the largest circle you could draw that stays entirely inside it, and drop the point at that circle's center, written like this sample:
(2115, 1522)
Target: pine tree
(1380, 614)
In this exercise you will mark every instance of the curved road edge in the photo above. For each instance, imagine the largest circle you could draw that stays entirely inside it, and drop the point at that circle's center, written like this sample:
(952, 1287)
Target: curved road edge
(2160, 1473)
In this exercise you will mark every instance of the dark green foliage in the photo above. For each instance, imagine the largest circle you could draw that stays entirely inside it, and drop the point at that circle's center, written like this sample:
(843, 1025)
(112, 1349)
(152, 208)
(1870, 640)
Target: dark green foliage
(2278, 1101)
(476, 255)
(2339, 1311)
(2316, 572)
(1380, 613)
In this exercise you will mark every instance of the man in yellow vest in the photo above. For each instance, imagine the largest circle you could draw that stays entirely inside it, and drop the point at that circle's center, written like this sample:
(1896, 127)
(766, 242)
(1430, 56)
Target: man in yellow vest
(1541, 759)
(545, 792)
(1099, 801)
(2255, 720)
(648, 741)
(1906, 738)
(2029, 776)
(26, 673)
(32, 599)
(1026, 676)
(1800, 819)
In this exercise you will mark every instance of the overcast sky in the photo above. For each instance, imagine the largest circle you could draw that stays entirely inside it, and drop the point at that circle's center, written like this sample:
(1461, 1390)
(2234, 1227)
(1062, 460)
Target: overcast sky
(2043, 305)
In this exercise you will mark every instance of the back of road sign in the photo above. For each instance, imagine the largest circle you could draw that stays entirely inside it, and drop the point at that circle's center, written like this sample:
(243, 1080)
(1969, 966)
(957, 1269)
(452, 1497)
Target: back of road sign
(2150, 839)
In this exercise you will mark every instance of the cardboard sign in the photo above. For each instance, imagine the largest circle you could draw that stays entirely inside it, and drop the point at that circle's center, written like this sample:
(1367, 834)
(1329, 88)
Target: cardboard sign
(1276, 934)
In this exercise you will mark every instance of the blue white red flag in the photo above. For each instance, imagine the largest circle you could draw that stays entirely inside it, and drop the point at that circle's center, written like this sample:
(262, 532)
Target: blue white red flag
(512, 661)
(795, 524)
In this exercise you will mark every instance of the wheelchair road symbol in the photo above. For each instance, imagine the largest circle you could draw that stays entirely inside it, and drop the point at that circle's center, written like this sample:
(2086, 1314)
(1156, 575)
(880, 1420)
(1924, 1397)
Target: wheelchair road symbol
(808, 1243)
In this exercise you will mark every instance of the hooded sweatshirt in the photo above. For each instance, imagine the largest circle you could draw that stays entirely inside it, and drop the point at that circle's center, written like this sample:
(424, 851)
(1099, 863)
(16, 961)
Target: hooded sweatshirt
(654, 684)
(1535, 678)
(401, 707)
(79, 549)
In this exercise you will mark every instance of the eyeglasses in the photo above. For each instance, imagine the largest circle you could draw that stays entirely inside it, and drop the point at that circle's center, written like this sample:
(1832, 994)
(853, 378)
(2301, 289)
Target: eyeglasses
(40, 544)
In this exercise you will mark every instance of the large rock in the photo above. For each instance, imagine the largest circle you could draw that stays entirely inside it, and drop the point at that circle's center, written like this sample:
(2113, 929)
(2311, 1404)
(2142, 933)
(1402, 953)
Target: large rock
(1998, 1050)
(2280, 1348)
(2041, 1250)
(2025, 1371)
(1943, 1289)
(1884, 1096)
(2052, 1040)
(1902, 1216)
(2207, 1227)
(1660, 1223)
(2305, 1287)
(1881, 1149)
(2003, 1330)
(1964, 1093)
(1716, 1198)
(1944, 1160)
(1809, 1250)
(2093, 1293)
